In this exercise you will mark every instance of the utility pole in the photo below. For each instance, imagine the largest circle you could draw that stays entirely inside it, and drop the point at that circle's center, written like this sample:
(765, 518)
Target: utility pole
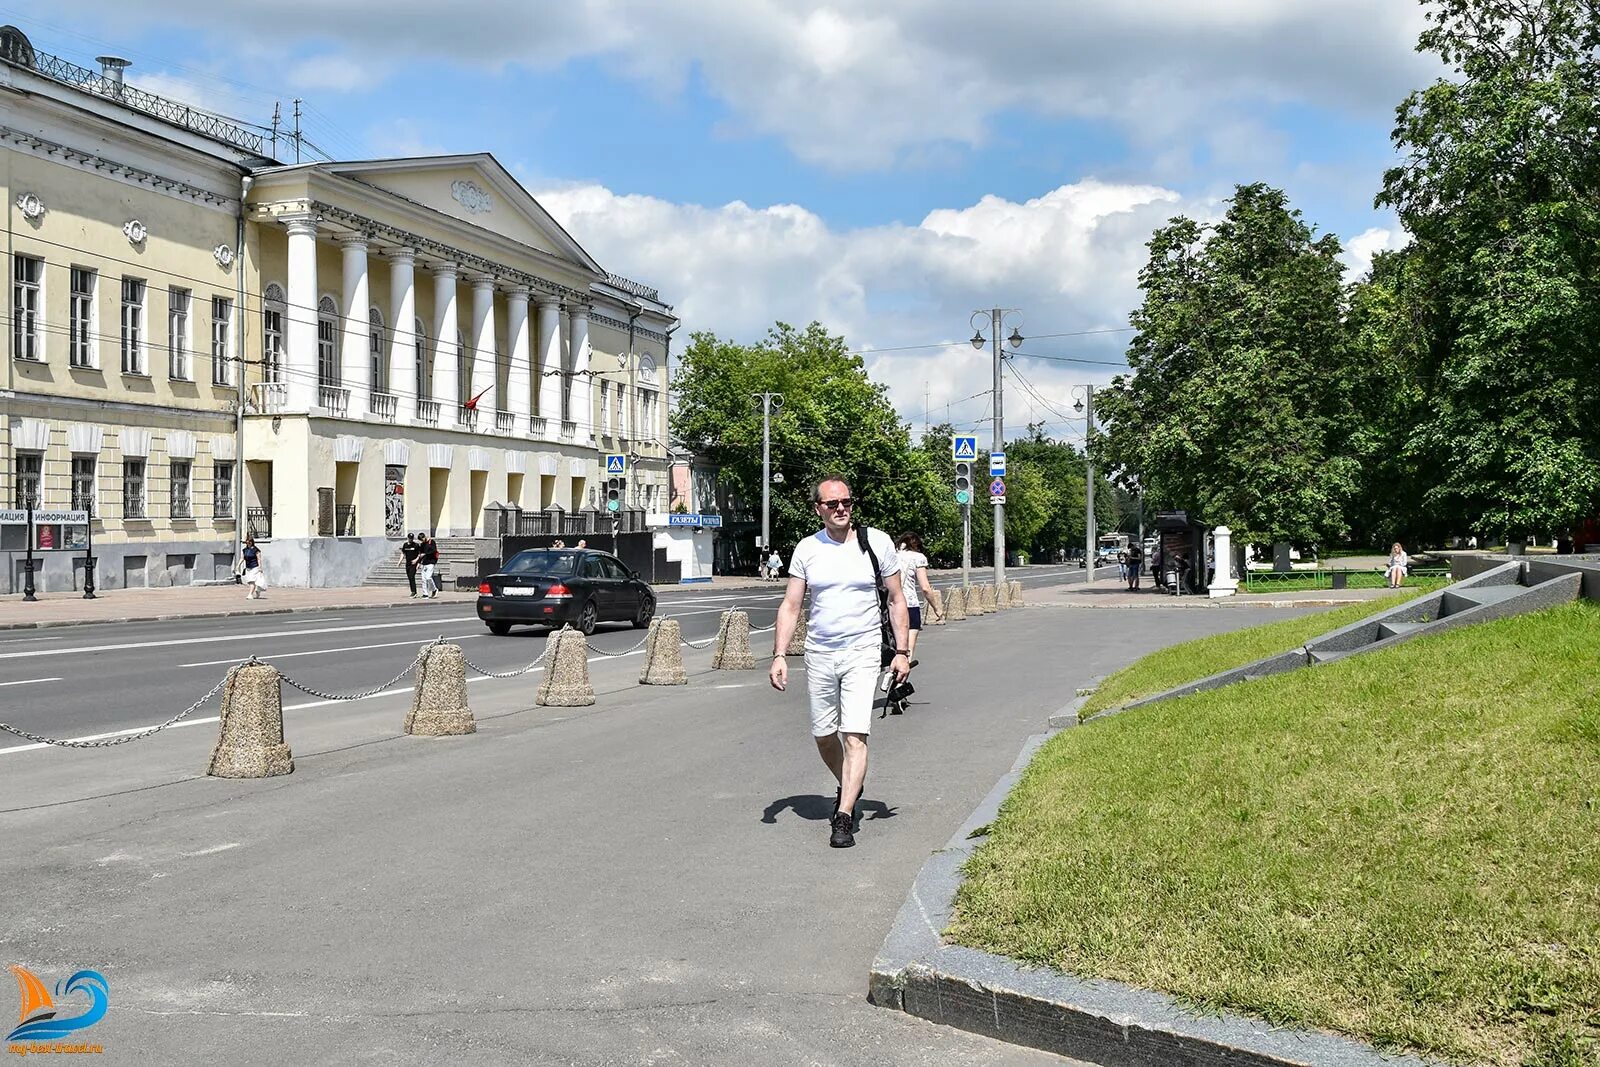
(996, 318)
(966, 547)
(297, 129)
(1088, 487)
(771, 403)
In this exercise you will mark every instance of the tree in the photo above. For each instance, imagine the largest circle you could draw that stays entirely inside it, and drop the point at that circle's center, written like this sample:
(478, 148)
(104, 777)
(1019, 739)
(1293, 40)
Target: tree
(1498, 186)
(1238, 406)
(833, 421)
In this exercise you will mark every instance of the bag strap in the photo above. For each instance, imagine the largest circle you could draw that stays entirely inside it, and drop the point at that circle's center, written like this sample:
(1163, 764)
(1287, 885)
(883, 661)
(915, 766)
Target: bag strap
(877, 572)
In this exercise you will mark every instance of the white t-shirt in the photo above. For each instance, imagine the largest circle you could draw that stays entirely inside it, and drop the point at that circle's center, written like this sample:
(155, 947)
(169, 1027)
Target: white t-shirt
(844, 596)
(910, 563)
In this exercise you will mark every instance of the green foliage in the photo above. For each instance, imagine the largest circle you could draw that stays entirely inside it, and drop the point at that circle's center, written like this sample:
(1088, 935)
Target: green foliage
(833, 421)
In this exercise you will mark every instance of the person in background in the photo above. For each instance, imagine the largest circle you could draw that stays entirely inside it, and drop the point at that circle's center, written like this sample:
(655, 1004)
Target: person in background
(409, 552)
(774, 565)
(914, 579)
(428, 559)
(1135, 556)
(249, 567)
(1398, 562)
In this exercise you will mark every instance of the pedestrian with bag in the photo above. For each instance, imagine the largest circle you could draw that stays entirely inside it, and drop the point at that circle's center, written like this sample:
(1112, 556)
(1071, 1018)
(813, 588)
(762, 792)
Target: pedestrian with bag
(919, 598)
(774, 565)
(1135, 565)
(857, 625)
(248, 567)
(428, 560)
(409, 552)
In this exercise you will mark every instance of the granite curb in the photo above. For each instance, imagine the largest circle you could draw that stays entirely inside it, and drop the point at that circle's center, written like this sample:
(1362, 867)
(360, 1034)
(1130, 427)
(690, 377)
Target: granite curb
(1100, 1021)
(47, 624)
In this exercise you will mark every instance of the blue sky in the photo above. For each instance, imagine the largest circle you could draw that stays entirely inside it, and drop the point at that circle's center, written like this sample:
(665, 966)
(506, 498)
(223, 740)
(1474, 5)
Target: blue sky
(883, 167)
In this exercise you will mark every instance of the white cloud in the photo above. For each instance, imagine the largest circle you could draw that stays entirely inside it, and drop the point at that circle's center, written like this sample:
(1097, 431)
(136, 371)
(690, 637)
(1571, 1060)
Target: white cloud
(1360, 250)
(334, 73)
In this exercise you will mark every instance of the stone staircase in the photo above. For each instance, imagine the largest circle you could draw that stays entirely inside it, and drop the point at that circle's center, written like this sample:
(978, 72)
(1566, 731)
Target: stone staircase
(458, 556)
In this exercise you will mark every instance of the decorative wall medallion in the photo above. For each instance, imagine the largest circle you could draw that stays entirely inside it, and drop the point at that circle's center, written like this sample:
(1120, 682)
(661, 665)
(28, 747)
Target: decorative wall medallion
(135, 232)
(471, 196)
(224, 254)
(30, 205)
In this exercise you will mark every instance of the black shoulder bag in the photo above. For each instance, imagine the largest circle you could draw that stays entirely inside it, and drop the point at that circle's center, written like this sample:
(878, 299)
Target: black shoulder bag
(886, 628)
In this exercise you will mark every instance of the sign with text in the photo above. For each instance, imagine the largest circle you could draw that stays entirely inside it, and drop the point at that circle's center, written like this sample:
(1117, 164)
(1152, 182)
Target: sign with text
(997, 463)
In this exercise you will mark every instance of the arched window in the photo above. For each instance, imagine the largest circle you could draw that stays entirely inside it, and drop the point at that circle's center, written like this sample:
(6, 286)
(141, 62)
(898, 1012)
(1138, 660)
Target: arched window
(327, 342)
(424, 382)
(647, 368)
(376, 350)
(272, 307)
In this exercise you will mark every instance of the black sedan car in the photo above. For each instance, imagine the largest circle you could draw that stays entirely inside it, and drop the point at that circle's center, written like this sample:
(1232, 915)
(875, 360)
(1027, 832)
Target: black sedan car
(555, 586)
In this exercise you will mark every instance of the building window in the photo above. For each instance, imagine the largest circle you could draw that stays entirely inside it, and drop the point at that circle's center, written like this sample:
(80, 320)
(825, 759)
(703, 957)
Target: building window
(181, 469)
(80, 319)
(133, 488)
(177, 333)
(375, 349)
(83, 483)
(222, 490)
(26, 342)
(327, 343)
(29, 464)
(272, 335)
(424, 383)
(133, 326)
(605, 407)
(463, 375)
(221, 328)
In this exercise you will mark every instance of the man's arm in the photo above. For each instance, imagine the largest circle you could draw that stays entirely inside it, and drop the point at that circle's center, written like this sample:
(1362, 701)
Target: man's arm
(783, 631)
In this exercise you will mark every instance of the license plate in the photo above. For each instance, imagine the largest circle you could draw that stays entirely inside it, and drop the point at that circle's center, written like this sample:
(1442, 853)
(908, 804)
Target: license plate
(518, 590)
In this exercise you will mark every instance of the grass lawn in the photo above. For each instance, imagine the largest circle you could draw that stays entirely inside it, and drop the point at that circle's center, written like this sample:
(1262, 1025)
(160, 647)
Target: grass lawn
(1267, 583)
(1205, 656)
(1402, 846)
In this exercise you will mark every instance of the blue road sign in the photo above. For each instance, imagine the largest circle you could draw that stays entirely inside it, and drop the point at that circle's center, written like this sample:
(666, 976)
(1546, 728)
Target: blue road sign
(997, 488)
(964, 447)
(997, 464)
(616, 464)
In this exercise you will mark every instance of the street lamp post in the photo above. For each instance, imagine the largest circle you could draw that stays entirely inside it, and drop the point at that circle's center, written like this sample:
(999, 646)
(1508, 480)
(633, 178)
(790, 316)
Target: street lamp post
(771, 404)
(1085, 407)
(997, 318)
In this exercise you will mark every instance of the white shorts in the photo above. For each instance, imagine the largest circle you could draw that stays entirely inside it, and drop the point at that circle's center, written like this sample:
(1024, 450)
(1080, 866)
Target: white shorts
(842, 686)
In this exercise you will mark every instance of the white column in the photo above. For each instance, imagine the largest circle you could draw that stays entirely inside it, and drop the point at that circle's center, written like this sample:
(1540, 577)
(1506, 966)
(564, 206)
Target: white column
(519, 399)
(582, 411)
(300, 340)
(402, 332)
(483, 354)
(550, 364)
(1224, 584)
(446, 387)
(355, 362)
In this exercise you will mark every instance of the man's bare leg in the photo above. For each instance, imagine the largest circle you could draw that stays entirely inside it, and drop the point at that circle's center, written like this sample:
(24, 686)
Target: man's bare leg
(854, 770)
(832, 754)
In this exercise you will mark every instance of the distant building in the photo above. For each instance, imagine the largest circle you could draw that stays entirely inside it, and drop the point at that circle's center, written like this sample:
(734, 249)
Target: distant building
(423, 347)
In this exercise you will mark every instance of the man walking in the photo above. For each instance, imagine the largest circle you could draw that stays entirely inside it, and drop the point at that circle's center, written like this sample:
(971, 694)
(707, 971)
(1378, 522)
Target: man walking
(843, 567)
(409, 552)
(428, 557)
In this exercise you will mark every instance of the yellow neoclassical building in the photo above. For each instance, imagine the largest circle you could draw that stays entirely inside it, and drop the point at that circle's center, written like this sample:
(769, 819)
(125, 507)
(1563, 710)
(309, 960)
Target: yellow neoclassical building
(206, 343)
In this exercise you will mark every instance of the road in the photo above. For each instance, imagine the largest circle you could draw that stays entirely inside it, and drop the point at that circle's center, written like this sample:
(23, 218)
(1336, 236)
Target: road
(56, 682)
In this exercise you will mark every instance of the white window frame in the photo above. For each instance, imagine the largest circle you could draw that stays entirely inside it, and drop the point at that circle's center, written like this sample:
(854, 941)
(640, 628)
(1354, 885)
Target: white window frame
(135, 471)
(83, 345)
(222, 488)
(134, 340)
(328, 344)
(179, 303)
(180, 489)
(272, 308)
(222, 340)
(27, 308)
(605, 407)
(27, 468)
(93, 496)
(424, 380)
(377, 356)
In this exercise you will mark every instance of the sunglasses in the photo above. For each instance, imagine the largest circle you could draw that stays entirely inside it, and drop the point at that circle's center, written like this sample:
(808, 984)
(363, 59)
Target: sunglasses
(844, 502)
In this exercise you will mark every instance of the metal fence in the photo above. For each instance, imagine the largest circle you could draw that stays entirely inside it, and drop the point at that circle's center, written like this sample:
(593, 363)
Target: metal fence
(1328, 578)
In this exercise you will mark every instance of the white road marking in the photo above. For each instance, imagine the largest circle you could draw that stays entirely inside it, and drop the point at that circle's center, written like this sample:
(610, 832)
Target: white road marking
(115, 733)
(323, 651)
(213, 849)
(226, 637)
(316, 617)
(29, 681)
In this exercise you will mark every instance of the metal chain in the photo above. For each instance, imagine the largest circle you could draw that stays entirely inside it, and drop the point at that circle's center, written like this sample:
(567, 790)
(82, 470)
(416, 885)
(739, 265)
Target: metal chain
(704, 644)
(624, 652)
(364, 694)
(111, 741)
(508, 674)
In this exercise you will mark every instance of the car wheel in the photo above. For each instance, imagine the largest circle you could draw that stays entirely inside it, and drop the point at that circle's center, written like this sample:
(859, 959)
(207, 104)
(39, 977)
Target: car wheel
(647, 610)
(587, 618)
(499, 629)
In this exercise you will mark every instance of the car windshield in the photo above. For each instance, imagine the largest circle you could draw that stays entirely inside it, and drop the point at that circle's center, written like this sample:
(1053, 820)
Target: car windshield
(542, 561)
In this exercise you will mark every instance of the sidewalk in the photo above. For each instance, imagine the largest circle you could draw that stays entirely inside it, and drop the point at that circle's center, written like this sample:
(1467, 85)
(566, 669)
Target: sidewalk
(206, 601)
(1113, 593)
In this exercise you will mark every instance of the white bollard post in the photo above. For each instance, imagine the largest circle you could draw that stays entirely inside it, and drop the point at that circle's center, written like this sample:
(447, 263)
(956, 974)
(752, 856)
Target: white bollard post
(1225, 583)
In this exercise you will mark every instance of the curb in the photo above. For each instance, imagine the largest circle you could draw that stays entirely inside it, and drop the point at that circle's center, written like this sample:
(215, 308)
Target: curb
(1100, 1021)
(48, 624)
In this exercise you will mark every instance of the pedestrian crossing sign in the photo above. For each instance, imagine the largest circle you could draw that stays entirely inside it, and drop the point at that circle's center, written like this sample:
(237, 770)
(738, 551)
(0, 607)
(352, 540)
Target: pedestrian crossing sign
(964, 447)
(616, 464)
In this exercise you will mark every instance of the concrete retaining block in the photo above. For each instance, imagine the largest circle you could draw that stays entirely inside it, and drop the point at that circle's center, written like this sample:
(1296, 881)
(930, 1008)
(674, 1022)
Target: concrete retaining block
(250, 737)
(933, 610)
(663, 654)
(797, 640)
(439, 701)
(955, 605)
(566, 672)
(1014, 588)
(732, 650)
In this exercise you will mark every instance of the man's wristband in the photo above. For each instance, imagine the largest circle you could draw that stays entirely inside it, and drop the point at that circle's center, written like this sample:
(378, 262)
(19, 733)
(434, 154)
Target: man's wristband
(780, 655)
(902, 652)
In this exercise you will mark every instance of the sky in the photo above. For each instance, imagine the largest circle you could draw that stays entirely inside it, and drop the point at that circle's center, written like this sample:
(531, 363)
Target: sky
(885, 167)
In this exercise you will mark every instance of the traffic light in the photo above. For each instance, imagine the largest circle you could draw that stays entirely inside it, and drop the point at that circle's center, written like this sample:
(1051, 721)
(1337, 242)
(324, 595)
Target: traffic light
(963, 482)
(614, 494)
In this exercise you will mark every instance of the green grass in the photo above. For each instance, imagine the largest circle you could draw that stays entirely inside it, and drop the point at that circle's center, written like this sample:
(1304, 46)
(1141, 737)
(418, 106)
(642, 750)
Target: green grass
(1403, 846)
(1205, 656)
(1269, 582)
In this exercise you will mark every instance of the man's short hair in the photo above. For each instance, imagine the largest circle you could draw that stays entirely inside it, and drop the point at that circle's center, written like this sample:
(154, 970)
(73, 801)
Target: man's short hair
(816, 488)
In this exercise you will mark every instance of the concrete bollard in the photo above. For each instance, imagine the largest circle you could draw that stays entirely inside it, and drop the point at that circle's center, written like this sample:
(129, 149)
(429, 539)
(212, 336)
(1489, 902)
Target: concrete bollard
(977, 603)
(990, 601)
(955, 604)
(663, 654)
(797, 643)
(933, 610)
(1014, 589)
(439, 702)
(732, 650)
(250, 740)
(999, 597)
(566, 672)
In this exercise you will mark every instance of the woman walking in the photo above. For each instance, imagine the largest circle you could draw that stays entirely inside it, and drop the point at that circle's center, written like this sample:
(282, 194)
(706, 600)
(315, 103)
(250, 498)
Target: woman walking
(914, 580)
(249, 569)
(1398, 562)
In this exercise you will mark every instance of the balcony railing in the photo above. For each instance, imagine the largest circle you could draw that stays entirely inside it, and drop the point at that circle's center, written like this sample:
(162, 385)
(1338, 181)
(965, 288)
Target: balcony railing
(344, 520)
(505, 422)
(258, 523)
(334, 399)
(569, 430)
(270, 397)
(428, 412)
(539, 426)
(466, 418)
(382, 406)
